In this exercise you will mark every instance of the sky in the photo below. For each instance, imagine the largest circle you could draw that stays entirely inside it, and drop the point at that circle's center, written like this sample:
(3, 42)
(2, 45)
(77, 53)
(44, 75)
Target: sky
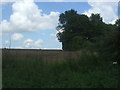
(32, 25)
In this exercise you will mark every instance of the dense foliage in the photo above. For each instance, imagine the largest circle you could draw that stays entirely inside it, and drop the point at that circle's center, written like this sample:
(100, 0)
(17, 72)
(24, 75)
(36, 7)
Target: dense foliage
(88, 71)
(78, 31)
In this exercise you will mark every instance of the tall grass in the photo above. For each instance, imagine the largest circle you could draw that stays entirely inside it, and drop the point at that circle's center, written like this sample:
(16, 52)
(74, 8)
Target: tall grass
(88, 71)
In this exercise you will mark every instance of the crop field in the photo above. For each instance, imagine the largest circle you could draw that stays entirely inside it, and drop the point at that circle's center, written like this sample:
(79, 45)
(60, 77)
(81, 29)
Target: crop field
(30, 68)
(47, 55)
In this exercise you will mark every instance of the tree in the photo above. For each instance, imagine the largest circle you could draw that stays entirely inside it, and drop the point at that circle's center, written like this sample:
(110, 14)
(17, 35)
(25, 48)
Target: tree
(66, 25)
(109, 44)
(77, 43)
(73, 24)
(117, 40)
(95, 18)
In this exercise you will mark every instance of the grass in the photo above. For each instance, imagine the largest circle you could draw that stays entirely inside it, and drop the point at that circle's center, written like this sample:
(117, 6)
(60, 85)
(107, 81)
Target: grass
(88, 71)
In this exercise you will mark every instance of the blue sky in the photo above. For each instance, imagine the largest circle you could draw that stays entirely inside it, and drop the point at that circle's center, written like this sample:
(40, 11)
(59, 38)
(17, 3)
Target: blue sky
(47, 7)
(42, 17)
(119, 9)
(63, 6)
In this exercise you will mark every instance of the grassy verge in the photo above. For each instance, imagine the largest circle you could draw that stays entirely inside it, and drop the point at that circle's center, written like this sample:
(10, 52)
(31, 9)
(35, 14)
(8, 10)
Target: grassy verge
(89, 71)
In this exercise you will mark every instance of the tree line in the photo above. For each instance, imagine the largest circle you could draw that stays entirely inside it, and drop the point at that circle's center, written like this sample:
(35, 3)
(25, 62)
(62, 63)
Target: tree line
(78, 32)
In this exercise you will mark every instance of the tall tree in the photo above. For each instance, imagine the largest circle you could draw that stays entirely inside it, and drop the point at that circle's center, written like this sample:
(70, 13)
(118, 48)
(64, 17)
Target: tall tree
(73, 24)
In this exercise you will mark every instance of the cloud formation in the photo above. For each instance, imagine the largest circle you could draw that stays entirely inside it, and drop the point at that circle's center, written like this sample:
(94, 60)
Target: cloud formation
(6, 44)
(108, 10)
(17, 37)
(29, 43)
(27, 17)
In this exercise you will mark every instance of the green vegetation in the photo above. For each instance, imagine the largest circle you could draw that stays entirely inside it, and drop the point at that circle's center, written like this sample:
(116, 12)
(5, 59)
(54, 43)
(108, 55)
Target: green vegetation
(100, 46)
(78, 31)
(86, 72)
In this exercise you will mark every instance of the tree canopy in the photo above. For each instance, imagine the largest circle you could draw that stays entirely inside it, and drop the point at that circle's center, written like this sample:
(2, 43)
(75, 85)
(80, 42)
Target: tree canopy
(78, 31)
(81, 26)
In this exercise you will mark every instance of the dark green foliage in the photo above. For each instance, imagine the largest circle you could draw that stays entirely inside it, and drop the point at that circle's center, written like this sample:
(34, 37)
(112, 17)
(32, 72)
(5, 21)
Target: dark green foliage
(95, 18)
(89, 33)
(86, 72)
(109, 45)
(75, 25)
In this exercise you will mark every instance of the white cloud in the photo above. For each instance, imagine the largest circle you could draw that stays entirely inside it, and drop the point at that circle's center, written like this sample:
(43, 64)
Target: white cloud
(29, 43)
(28, 17)
(6, 44)
(17, 36)
(38, 43)
(108, 10)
